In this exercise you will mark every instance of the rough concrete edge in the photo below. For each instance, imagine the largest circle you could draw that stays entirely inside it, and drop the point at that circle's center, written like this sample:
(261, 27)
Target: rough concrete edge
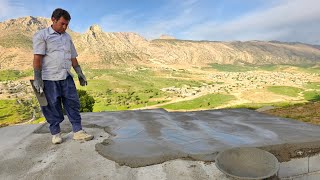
(287, 151)
(38, 128)
(148, 161)
(301, 175)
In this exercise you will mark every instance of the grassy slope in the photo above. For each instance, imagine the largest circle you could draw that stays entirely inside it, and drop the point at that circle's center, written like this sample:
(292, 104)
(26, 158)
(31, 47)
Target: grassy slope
(8, 112)
(121, 90)
(6, 75)
(308, 112)
(203, 102)
(285, 90)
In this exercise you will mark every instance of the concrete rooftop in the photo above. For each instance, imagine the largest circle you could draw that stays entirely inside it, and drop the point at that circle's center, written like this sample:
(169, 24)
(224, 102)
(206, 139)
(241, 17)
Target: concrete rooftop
(148, 144)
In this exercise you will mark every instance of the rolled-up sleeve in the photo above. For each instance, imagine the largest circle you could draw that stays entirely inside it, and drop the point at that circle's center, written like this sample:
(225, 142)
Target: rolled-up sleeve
(39, 44)
(74, 53)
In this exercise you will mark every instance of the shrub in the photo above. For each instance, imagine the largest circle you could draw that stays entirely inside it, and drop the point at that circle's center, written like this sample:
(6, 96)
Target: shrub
(86, 101)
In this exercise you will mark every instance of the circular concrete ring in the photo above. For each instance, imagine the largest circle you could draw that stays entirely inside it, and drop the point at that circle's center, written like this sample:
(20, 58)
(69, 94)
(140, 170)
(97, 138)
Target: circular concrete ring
(247, 163)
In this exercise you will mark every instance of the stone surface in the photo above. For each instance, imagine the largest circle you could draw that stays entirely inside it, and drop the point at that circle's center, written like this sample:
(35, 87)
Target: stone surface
(314, 163)
(310, 176)
(294, 167)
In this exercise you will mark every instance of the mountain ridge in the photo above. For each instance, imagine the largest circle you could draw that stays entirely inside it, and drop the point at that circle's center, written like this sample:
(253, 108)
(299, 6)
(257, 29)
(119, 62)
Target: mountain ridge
(99, 49)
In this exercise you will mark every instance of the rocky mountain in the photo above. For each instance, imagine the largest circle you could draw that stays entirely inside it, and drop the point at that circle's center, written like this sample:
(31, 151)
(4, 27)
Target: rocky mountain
(98, 49)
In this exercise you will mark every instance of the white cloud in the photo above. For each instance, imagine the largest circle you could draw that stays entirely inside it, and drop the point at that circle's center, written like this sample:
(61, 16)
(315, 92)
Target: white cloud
(284, 20)
(12, 9)
(4, 6)
(295, 20)
(123, 21)
(170, 17)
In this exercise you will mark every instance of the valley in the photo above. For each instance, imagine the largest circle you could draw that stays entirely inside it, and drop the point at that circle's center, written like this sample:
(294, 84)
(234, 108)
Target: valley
(229, 86)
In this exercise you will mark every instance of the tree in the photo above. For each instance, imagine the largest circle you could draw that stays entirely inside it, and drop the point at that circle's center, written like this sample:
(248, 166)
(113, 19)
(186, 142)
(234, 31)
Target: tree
(86, 101)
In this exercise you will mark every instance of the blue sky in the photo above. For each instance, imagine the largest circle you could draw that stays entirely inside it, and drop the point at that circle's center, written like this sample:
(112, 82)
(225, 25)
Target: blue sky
(216, 20)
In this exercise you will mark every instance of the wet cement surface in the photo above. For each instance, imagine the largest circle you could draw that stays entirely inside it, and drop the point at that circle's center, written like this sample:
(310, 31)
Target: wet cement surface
(146, 137)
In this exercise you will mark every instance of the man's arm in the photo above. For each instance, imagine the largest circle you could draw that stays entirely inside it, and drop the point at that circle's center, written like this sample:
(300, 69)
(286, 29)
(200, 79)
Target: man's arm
(37, 61)
(38, 82)
(39, 50)
(74, 62)
(77, 68)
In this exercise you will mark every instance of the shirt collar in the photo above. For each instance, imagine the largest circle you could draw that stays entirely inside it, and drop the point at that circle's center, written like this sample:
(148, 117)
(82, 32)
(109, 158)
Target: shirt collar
(51, 31)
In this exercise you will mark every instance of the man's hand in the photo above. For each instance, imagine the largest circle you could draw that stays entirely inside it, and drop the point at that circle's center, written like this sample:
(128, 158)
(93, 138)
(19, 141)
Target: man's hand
(81, 77)
(38, 82)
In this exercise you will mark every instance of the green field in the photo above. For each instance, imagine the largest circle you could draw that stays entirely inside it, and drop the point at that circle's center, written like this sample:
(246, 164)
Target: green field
(308, 68)
(13, 111)
(6, 75)
(285, 90)
(203, 102)
(270, 67)
(312, 95)
(8, 112)
(116, 89)
(244, 68)
(313, 85)
(232, 68)
(255, 106)
(139, 79)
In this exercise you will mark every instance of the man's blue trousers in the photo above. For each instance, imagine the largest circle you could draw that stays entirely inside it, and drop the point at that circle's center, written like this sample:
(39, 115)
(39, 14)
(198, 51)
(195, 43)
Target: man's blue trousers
(58, 93)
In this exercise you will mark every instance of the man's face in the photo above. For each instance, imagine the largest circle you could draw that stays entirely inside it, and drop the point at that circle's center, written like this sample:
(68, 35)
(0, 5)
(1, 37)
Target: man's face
(60, 25)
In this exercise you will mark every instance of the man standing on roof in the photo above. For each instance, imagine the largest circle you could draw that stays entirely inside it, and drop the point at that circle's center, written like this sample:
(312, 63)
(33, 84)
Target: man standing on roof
(54, 54)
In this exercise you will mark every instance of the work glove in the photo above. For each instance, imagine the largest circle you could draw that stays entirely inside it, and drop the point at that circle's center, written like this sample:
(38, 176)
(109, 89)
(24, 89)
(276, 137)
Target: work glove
(81, 77)
(38, 82)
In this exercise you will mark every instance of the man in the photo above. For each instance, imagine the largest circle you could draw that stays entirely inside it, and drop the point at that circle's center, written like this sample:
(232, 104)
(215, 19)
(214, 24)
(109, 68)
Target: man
(54, 54)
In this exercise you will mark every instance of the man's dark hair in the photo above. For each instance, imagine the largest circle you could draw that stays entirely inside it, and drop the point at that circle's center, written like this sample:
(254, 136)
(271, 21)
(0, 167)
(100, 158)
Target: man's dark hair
(58, 13)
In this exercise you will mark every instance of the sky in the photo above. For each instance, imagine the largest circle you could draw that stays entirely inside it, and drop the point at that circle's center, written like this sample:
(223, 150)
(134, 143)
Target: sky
(213, 20)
